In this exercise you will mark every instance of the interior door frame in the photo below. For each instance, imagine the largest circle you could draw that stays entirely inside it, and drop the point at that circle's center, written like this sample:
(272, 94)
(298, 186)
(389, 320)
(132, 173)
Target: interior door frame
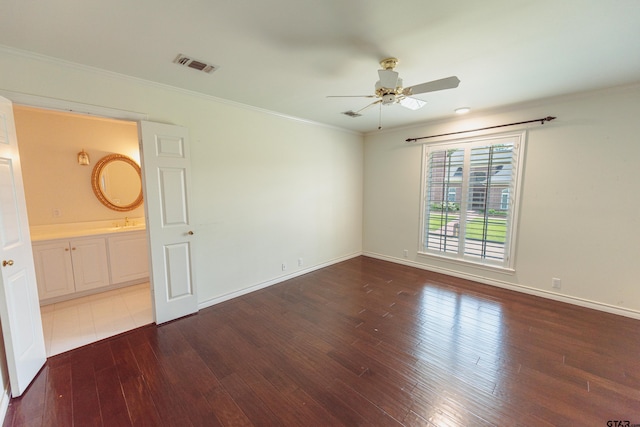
(42, 102)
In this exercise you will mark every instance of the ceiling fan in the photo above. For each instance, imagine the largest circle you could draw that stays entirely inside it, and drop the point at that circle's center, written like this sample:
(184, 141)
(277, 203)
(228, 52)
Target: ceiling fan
(389, 89)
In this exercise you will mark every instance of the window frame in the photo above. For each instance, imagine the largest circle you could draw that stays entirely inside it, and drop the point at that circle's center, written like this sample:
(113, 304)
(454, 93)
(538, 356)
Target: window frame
(507, 264)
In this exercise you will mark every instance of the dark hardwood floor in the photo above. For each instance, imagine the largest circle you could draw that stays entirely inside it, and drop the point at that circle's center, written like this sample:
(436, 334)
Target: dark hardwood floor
(364, 342)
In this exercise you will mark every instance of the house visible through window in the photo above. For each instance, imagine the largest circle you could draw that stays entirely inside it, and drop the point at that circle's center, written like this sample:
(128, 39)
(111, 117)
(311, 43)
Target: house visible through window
(468, 199)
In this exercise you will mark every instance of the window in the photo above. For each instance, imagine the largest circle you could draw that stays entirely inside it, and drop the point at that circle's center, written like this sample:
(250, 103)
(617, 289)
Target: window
(451, 194)
(504, 200)
(469, 190)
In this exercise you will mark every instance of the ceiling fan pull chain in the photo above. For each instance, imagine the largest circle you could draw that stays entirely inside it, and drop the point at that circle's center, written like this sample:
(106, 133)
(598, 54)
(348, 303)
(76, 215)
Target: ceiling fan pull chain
(380, 117)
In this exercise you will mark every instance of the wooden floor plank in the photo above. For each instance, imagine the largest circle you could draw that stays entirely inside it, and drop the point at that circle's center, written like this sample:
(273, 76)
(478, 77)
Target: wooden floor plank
(359, 343)
(142, 410)
(29, 410)
(191, 379)
(172, 411)
(113, 406)
(58, 397)
(85, 389)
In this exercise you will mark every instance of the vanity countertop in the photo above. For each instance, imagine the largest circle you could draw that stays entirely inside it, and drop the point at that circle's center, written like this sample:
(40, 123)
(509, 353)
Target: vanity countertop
(84, 229)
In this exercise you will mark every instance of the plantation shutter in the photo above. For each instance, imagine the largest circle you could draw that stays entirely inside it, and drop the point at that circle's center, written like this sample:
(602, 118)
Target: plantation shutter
(445, 171)
(487, 224)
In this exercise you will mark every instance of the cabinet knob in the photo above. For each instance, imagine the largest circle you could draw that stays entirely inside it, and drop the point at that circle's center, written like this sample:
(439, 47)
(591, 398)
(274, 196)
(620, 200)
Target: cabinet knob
(73, 249)
(7, 263)
(190, 233)
(66, 249)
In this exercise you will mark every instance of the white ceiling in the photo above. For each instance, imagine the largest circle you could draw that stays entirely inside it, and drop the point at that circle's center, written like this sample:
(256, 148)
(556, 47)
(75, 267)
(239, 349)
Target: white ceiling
(288, 55)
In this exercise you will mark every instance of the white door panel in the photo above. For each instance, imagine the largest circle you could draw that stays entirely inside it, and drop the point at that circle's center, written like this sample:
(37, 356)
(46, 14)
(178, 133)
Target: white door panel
(19, 291)
(19, 307)
(54, 270)
(178, 261)
(166, 165)
(11, 230)
(90, 267)
(173, 190)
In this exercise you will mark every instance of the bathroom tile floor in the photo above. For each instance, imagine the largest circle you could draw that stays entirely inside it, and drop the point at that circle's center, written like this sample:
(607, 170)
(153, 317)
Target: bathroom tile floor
(74, 323)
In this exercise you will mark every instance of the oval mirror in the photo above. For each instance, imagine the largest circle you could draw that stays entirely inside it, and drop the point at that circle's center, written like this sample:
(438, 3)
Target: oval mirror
(117, 182)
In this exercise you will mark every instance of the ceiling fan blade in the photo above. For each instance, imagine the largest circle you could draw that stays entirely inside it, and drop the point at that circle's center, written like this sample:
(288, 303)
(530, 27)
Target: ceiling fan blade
(446, 83)
(411, 103)
(351, 96)
(388, 78)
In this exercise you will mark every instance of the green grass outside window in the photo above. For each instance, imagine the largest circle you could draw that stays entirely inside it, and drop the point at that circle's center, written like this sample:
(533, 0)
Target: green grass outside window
(496, 227)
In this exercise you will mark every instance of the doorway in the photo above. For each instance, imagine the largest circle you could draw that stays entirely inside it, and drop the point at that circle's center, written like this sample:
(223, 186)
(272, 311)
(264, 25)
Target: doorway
(60, 198)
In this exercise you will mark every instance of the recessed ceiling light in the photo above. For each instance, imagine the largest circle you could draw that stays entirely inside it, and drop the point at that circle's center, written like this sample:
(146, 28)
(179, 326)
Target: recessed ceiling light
(462, 110)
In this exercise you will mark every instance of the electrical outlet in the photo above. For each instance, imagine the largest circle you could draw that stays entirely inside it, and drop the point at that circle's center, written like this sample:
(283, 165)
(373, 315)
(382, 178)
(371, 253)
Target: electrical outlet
(405, 253)
(556, 283)
(284, 266)
(300, 262)
(56, 212)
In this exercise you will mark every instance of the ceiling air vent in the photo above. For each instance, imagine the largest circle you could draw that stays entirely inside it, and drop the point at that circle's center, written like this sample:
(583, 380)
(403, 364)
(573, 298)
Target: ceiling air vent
(351, 114)
(194, 63)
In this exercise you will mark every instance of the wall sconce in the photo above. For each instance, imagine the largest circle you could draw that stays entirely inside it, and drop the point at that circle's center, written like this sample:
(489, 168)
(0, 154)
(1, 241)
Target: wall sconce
(83, 158)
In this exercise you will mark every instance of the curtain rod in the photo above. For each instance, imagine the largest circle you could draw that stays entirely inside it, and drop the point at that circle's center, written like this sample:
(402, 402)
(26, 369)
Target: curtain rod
(542, 120)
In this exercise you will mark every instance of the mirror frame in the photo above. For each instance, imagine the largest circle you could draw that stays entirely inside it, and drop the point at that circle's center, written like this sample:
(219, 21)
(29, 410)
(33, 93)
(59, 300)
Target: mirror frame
(95, 182)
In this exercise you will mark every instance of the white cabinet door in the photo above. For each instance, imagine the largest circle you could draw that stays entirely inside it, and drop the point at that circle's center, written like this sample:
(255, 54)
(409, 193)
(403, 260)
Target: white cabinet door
(64, 267)
(128, 257)
(89, 259)
(54, 272)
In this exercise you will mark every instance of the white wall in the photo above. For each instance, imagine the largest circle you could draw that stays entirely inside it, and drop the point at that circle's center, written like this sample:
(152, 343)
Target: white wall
(579, 209)
(266, 189)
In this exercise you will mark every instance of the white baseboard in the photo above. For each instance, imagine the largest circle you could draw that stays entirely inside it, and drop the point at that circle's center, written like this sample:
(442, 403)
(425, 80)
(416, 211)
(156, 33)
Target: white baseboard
(262, 285)
(608, 308)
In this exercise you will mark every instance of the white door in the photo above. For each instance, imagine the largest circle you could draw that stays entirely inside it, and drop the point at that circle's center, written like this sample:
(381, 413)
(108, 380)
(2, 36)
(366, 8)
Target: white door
(19, 307)
(166, 165)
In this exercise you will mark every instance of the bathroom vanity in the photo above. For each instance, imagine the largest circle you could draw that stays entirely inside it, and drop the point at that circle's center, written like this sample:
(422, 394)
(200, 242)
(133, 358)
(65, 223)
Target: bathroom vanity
(79, 260)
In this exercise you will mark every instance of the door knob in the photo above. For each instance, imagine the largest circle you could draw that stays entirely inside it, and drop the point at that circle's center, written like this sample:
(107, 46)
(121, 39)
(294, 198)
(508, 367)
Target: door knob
(7, 263)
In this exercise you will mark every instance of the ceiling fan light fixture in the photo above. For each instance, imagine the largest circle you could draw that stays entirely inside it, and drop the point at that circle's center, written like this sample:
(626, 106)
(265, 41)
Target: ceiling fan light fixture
(462, 110)
(388, 98)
